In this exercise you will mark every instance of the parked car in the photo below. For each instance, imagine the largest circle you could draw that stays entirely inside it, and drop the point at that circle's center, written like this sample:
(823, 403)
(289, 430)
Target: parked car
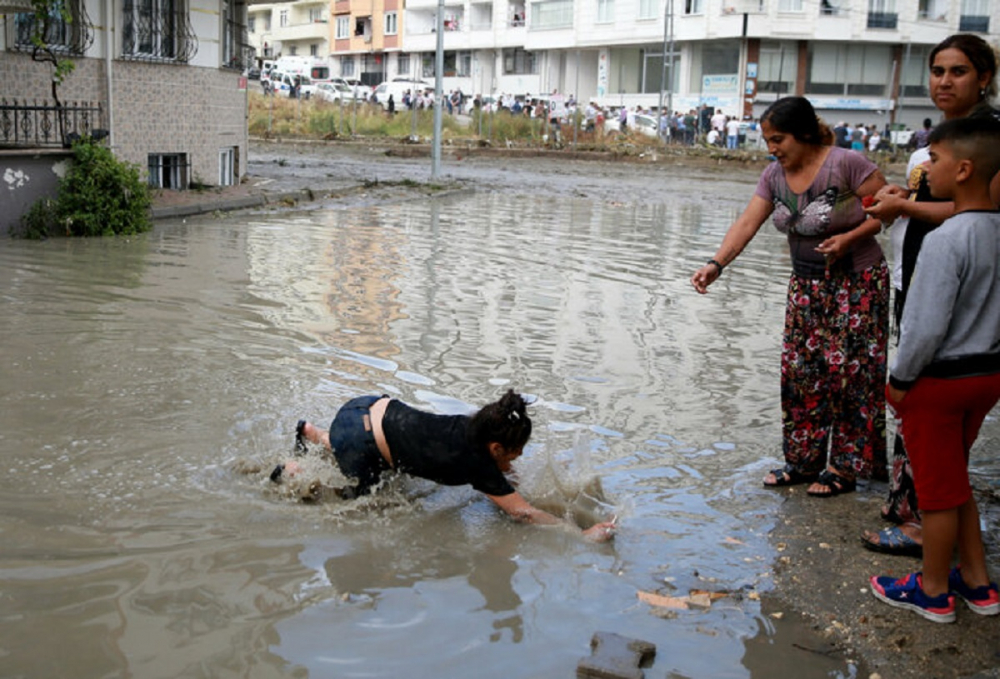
(282, 84)
(334, 92)
(644, 124)
(253, 73)
(362, 91)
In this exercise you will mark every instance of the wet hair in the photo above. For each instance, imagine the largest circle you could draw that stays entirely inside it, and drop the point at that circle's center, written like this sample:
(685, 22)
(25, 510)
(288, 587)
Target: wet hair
(505, 422)
(977, 51)
(797, 117)
(973, 138)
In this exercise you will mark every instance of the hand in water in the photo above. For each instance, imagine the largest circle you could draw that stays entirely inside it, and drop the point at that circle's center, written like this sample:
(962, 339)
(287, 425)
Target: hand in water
(601, 532)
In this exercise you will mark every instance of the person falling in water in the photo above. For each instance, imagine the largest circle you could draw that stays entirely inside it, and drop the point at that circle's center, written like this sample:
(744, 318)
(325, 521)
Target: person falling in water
(372, 434)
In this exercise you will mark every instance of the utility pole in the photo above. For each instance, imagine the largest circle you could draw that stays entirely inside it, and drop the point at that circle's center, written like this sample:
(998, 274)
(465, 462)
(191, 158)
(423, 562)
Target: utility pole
(438, 90)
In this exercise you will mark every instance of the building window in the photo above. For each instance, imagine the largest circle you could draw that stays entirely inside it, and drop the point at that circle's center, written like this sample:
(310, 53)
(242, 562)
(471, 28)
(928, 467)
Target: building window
(790, 5)
(648, 9)
(403, 65)
(157, 30)
(389, 26)
(693, 7)
(267, 23)
(227, 166)
(252, 24)
(456, 64)
(283, 18)
(849, 69)
(552, 14)
(347, 66)
(777, 69)
(313, 50)
(975, 17)
(913, 80)
(932, 10)
(882, 14)
(73, 36)
(168, 170)
(343, 28)
(315, 15)
(236, 50)
(293, 50)
(605, 11)
(518, 62)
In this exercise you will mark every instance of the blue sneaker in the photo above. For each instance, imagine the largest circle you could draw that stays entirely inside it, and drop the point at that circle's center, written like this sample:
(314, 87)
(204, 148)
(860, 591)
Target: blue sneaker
(908, 592)
(982, 600)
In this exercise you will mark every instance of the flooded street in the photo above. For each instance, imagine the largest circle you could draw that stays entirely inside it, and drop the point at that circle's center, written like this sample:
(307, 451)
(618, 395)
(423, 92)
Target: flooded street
(150, 384)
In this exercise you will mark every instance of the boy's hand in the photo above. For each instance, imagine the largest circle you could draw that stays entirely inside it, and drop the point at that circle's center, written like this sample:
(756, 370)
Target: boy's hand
(894, 395)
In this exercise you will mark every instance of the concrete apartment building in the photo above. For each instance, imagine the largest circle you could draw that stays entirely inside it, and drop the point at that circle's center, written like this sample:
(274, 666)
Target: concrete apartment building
(290, 29)
(161, 78)
(856, 59)
(863, 60)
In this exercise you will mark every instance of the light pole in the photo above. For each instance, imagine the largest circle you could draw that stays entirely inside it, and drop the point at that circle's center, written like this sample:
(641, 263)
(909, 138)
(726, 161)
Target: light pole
(668, 53)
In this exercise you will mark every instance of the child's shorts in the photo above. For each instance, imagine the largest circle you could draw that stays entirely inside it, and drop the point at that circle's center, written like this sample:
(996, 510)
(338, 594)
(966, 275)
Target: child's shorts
(940, 421)
(354, 447)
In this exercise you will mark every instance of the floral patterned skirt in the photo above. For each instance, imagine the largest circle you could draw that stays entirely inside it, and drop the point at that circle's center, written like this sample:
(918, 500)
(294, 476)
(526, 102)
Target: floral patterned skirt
(833, 372)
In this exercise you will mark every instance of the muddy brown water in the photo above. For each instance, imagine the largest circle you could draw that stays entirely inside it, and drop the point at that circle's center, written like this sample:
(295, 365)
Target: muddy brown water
(148, 384)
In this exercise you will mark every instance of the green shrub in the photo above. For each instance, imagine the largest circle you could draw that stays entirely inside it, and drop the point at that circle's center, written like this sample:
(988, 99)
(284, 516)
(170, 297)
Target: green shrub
(99, 196)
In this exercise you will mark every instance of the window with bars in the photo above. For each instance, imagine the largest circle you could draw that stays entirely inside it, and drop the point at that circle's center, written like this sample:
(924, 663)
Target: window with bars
(157, 30)
(67, 28)
(390, 23)
(236, 50)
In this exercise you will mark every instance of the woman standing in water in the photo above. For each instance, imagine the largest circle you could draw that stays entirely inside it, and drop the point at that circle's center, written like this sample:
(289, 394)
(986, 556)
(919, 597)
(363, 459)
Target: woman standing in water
(962, 82)
(373, 434)
(836, 318)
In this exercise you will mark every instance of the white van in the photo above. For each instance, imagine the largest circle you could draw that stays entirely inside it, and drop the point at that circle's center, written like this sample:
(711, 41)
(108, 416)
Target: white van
(397, 88)
(317, 69)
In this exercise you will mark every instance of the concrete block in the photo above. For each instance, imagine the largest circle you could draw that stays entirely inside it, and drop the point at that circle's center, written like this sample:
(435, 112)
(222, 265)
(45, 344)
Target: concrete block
(613, 656)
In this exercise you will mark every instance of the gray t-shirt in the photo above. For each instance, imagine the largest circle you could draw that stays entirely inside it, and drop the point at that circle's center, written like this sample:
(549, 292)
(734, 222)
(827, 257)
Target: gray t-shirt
(951, 322)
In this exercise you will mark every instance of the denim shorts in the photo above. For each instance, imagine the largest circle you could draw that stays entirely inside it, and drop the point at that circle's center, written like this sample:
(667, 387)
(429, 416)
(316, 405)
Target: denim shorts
(354, 448)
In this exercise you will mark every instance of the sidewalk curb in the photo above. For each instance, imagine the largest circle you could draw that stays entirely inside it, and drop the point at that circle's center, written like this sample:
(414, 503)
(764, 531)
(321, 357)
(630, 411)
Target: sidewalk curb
(228, 204)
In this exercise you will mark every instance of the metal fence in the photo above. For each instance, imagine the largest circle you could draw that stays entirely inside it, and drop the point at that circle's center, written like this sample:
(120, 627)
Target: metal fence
(36, 125)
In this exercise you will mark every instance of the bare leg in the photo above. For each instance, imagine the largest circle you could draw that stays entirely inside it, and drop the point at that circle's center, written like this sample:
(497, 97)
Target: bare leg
(970, 545)
(941, 529)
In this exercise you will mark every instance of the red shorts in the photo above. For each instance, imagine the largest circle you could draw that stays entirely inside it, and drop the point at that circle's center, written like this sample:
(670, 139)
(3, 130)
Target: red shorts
(940, 422)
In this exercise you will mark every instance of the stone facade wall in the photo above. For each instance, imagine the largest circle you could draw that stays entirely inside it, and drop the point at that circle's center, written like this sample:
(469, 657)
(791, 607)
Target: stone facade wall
(155, 108)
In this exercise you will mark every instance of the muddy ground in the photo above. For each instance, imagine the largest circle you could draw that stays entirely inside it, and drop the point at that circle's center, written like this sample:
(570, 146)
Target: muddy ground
(821, 569)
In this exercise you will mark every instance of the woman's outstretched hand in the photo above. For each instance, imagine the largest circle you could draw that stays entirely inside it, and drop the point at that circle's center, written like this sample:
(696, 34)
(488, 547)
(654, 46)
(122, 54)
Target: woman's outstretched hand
(704, 277)
(600, 532)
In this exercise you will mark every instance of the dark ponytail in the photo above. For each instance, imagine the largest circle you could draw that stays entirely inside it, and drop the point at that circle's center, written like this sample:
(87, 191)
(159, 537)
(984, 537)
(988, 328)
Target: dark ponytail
(505, 422)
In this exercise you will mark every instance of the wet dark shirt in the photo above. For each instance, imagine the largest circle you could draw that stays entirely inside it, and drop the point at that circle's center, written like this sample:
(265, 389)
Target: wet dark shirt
(437, 448)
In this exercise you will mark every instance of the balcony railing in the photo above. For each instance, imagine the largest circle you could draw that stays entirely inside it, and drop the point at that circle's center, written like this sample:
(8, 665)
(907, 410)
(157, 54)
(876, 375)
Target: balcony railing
(34, 125)
(883, 20)
(974, 24)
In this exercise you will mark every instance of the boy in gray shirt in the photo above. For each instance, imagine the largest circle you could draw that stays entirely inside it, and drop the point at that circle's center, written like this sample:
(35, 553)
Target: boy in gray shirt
(946, 376)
